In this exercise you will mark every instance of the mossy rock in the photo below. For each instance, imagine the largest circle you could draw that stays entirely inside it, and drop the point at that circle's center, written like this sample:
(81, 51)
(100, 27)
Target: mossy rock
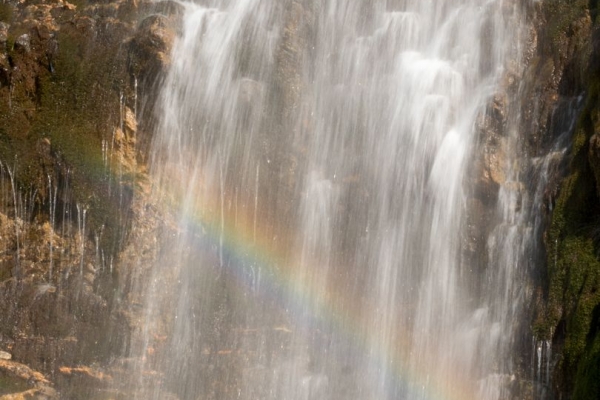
(6, 12)
(66, 95)
(573, 249)
(587, 381)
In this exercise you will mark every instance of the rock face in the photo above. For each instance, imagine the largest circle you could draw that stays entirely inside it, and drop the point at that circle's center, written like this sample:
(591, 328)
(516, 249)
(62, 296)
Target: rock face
(77, 90)
(69, 163)
(150, 48)
(558, 95)
(35, 384)
(148, 60)
(563, 86)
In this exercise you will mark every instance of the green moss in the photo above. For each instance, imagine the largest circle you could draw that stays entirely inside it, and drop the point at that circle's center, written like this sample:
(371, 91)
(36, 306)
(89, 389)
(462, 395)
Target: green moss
(565, 40)
(74, 107)
(79, 106)
(587, 381)
(10, 385)
(560, 14)
(6, 12)
(573, 264)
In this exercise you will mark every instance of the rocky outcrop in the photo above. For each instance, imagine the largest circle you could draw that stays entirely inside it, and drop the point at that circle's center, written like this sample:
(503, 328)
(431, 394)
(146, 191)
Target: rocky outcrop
(556, 96)
(149, 55)
(563, 82)
(21, 382)
(69, 163)
(148, 59)
(75, 79)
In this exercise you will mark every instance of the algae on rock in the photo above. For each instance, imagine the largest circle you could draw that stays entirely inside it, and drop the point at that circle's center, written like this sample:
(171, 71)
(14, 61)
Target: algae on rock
(572, 240)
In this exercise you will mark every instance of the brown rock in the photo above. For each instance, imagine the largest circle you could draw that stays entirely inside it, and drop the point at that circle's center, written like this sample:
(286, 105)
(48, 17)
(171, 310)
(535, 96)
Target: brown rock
(23, 43)
(150, 49)
(16, 370)
(4, 70)
(489, 172)
(87, 373)
(3, 33)
(130, 121)
(69, 6)
(85, 25)
(291, 53)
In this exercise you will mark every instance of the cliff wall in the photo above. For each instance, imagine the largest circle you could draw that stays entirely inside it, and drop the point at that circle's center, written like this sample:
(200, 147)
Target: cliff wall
(77, 88)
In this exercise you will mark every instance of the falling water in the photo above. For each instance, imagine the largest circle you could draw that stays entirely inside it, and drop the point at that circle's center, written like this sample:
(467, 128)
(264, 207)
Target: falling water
(317, 156)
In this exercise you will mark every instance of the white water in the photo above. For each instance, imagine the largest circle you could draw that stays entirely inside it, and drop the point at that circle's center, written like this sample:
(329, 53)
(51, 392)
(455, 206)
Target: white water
(340, 134)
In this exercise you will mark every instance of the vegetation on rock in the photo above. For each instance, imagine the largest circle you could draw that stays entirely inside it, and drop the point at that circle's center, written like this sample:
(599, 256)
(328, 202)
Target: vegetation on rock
(572, 282)
(68, 73)
(68, 167)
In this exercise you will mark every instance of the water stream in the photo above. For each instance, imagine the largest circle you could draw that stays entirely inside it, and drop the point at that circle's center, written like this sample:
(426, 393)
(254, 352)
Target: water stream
(318, 157)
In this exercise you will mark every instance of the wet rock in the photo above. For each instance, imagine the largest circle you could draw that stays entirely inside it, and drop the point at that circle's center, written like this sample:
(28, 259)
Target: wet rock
(296, 41)
(494, 173)
(44, 147)
(251, 92)
(22, 375)
(497, 112)
(130, 121)
(3, 33)
(167, 8)
(86, 25)
(594, 157)
(23, 43)
(475, 236)
(150, 48)
(91, 376)
(148, 58)
(34, 14)
(4, 70)
(125, 139)
(52, 311)
(489, 172)
(564, 67)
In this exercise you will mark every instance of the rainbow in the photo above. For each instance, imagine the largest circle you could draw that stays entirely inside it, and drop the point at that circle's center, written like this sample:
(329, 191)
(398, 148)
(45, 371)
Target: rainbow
(241, 244)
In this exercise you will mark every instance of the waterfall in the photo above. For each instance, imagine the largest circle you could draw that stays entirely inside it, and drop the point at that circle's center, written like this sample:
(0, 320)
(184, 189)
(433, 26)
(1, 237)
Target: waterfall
(318, 161)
